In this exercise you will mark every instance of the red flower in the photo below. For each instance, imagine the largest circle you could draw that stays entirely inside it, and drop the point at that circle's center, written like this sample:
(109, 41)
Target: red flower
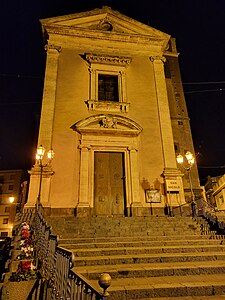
(24, 266)
(25, 234)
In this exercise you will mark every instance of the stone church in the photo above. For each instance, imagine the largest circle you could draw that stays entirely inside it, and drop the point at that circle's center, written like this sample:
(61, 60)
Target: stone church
(114, 113)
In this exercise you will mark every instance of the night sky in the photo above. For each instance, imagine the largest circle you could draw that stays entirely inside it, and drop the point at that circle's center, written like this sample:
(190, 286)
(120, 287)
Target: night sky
(199, 29)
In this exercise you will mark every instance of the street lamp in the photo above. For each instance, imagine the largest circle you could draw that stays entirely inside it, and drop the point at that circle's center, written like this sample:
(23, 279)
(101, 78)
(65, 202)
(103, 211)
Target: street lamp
(189, 163)
(39, 161)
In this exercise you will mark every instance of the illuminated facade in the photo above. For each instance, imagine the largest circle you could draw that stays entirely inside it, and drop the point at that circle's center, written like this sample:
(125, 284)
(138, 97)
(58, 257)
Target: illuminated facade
(114, 112)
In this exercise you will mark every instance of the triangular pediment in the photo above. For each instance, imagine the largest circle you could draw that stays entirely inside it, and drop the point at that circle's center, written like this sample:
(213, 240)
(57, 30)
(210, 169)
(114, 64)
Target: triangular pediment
(103, 20)
(107, 124)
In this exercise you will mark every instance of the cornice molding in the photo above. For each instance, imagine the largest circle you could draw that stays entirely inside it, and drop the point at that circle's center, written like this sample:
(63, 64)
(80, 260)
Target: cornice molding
(53, 47)
(105, 35)
(109, 60)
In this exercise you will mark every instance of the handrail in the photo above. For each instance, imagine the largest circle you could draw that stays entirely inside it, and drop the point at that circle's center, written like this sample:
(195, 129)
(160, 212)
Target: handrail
(209, 213)
(79, 283)
(55, 265)
(172, 210)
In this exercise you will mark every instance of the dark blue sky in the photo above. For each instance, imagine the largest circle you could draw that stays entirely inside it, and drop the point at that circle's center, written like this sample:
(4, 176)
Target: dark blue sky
(198, 27)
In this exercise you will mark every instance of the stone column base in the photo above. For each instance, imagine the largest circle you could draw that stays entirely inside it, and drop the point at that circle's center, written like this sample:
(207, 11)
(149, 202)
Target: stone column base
(83, 212)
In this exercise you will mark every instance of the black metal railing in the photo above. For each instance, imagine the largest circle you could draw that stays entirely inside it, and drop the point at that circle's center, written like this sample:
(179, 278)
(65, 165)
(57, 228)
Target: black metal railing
(56, 266)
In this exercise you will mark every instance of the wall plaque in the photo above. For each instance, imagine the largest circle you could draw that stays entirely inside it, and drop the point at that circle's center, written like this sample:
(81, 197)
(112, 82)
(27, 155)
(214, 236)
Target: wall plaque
(152, 196)
(172, 185)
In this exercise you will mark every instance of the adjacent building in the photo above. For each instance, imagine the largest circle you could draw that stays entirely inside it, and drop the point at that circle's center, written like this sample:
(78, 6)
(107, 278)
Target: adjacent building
(215, 192)
(115, 114)
(13, 195)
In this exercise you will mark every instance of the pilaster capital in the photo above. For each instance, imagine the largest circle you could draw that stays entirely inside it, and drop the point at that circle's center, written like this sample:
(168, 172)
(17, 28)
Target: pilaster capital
(84, 147)
(57, 49)
(132, 149)
(91, 70)
(157, 59)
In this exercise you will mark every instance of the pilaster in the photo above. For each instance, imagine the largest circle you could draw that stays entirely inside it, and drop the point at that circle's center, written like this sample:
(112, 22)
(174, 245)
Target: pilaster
(49, 95)
(84, 177)
(134, 171)
(164, 113)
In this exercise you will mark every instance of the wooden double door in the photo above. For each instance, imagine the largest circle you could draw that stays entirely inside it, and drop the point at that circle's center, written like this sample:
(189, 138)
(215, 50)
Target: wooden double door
(109, 184)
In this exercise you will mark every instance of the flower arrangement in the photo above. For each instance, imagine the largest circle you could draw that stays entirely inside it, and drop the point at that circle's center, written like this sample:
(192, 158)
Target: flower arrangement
(26, 243)
(25, 270)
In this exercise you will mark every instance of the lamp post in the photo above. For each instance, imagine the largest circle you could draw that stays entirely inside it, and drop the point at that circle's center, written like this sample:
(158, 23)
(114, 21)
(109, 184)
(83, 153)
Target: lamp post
(189, 163)
(39, 161)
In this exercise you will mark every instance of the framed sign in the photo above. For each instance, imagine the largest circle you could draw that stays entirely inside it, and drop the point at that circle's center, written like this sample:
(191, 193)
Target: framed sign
(152, 196)
(173, 185)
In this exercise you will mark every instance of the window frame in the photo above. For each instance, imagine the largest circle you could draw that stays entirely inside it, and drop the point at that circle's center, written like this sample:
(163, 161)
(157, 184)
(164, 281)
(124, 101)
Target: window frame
(5, 221)
(118, 86)
(107, 65)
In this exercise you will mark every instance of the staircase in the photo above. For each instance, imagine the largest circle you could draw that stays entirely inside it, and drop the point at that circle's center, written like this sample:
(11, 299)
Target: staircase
(147, 257)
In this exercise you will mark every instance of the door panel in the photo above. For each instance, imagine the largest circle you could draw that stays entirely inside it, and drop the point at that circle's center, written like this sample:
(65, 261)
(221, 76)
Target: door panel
(109, 183)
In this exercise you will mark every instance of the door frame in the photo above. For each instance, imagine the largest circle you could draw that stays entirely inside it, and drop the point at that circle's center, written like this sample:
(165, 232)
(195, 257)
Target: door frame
(125, 207)
(126, 174)
(120, 134)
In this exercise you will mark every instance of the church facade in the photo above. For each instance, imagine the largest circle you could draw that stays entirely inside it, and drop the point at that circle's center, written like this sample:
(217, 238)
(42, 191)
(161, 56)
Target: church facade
(114, 113)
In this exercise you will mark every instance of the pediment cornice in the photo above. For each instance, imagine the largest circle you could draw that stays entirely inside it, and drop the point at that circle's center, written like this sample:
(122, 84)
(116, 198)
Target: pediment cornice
(105, 23)
(107, 124)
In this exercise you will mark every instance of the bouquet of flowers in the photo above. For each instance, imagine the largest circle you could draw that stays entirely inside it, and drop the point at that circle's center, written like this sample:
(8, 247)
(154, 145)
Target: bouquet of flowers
(26, 243)
(25, 271)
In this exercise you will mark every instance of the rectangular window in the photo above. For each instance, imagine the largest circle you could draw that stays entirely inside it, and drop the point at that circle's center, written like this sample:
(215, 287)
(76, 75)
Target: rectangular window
(5, 221)
(10, 187)
(176, 147)
(7, 209)
(108, 88)
(221, 200)
(4, 234)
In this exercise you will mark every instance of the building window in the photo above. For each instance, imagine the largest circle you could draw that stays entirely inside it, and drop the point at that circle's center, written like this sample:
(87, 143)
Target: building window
(10, 187)
(5, 221)
(176, 147)
(108, 88)
(4, 234)
(107, 83)
(221, 200)
(180, 123)
(7, 209)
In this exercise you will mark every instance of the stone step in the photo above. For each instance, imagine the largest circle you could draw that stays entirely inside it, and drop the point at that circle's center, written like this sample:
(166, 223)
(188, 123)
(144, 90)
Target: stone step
(214, 297)
(120, 233)
(130, 221)
(153, 269)
(170, 286)
(146, 250)
(146, 258)
(146, 243)
(76, 240)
